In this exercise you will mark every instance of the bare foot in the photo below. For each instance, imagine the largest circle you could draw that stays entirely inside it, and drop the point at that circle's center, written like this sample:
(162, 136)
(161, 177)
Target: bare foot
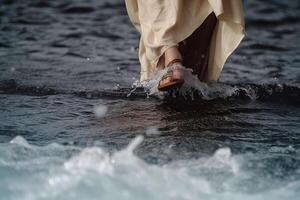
(175, 77)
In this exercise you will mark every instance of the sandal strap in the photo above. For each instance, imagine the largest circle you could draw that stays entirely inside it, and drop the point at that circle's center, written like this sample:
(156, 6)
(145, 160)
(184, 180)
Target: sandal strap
(177, 60)
(168, 74)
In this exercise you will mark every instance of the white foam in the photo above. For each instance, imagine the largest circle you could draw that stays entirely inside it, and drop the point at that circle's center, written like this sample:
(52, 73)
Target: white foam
(224, 157)
(172, 181)
(286, 150)
(20, 141)
(91, 158)
(94, 173)
(152, 130)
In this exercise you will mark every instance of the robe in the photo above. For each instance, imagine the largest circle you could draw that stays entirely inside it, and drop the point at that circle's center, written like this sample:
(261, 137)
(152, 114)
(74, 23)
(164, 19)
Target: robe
(206, 31)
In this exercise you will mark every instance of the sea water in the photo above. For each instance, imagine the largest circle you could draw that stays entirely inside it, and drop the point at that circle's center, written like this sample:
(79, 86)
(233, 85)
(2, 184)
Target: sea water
(67, 172)
(71, 127)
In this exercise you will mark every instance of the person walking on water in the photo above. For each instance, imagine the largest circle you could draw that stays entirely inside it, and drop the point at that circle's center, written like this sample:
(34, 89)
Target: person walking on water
(196, 34)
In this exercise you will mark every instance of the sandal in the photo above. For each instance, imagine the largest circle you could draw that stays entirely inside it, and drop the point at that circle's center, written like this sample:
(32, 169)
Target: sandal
(173, 82)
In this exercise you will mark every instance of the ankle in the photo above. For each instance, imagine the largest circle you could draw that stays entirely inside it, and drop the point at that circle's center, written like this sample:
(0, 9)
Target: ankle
(172, 56)
(175, 61)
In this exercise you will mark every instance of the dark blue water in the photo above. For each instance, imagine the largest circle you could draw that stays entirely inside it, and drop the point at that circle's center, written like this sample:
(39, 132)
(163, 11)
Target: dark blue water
(70, 128)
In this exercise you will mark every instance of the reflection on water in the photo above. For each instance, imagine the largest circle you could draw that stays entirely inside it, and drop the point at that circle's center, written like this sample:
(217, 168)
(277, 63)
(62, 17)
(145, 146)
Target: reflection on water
(67, 113)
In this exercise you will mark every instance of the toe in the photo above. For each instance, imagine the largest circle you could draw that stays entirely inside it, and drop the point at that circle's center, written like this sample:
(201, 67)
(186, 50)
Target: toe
(178, 74)
(165, 80)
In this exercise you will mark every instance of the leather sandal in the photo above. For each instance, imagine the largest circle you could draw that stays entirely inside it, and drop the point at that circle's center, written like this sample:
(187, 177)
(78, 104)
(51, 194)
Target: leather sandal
(169, 75)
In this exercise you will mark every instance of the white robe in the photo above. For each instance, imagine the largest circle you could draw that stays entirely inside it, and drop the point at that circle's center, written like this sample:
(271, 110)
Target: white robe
(165, 23)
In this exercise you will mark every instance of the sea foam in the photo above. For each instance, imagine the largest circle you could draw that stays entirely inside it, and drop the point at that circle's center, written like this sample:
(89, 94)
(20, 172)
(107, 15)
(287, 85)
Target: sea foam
(94, 173)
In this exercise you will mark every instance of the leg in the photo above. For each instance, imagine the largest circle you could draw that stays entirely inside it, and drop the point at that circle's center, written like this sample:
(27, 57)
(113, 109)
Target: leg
(195, 48)
(171, 54)
(193, 51)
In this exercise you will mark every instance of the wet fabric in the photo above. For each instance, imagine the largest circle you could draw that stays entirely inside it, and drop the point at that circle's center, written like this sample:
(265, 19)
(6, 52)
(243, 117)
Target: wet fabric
(163, 24)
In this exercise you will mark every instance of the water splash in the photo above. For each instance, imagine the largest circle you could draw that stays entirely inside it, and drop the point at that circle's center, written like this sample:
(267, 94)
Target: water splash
(93, 173)
(100, 110)
(20, 141)
(191, 85)
(192, 89)
(224, 158)
(152, 131)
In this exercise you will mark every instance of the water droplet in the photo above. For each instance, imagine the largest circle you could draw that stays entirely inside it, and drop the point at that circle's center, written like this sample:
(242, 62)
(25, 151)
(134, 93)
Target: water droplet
(100, 111)
(152, 131)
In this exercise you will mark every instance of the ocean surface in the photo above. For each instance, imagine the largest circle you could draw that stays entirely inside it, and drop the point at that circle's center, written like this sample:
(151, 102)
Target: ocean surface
(72, 126)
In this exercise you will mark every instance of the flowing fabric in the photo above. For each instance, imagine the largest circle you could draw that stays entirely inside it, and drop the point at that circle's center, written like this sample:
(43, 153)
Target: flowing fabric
(165, 23)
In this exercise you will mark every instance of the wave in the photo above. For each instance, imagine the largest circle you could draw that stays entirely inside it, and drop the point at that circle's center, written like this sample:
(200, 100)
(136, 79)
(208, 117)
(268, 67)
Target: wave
(282, 93)
(64, 172)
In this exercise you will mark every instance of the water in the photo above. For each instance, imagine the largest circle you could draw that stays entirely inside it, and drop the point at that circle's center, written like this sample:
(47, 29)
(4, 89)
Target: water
(72, 128)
